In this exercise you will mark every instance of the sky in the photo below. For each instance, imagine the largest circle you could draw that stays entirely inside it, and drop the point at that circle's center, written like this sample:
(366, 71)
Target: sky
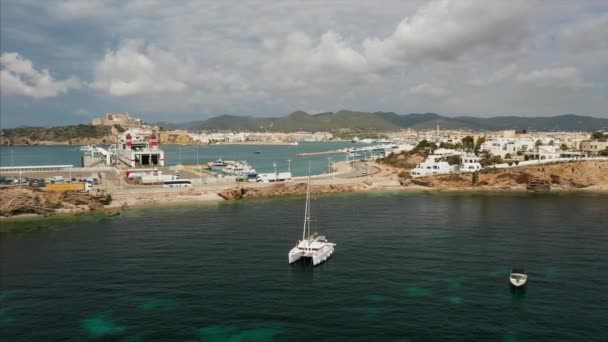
(66, 62)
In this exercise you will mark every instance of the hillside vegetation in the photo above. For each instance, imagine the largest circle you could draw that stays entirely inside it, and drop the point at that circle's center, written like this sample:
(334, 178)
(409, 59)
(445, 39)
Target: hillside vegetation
(66, 134)
(353, 121)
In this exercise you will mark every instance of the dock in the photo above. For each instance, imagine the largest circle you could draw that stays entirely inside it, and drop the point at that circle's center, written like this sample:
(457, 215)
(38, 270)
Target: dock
(319, 153)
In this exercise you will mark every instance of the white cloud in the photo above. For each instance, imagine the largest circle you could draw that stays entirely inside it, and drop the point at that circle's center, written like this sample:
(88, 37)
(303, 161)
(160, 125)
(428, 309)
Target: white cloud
(497, 76)
(447, 29)
(301, 63)
(139, 69)
(19, 77)
(268, 58)
(429, 90)
(442, 30)
(567, 77)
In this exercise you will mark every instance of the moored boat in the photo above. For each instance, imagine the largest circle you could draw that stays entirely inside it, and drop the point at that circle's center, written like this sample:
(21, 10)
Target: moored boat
(312, 246)
(518, 278)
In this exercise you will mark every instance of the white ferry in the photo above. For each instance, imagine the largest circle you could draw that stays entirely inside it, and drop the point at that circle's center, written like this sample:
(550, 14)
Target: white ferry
(140, 148)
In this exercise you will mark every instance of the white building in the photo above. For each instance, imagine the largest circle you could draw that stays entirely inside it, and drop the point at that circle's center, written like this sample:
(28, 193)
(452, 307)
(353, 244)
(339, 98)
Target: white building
(548, 152)
(469, 163)
(502, 146)
(433, 165)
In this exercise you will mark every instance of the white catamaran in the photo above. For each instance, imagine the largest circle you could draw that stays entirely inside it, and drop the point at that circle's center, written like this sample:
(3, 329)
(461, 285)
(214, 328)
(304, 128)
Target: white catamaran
(314, 246)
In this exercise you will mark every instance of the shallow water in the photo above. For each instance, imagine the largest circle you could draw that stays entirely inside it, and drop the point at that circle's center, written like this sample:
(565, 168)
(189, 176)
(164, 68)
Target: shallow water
(407, 267)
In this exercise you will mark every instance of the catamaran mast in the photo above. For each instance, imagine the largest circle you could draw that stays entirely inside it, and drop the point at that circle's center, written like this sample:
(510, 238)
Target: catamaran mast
(308, 200)
(306, 210)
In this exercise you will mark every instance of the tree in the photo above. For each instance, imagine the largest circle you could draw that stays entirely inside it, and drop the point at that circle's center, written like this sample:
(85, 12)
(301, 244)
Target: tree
(453, 160)
(447, 145)
(480, 141)
(496, 160)
(424, 145)
(468, 143)
(563, 147)
(538, 143)
(508, 156)
(597, 135)
(604, 152)
(474, 178)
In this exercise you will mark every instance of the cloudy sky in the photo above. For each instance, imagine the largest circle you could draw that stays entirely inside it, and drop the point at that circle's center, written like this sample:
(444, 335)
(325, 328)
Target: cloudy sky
(65, 62)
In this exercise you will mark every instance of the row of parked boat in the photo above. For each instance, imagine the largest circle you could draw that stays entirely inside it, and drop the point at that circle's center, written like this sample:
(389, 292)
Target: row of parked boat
(238, 169)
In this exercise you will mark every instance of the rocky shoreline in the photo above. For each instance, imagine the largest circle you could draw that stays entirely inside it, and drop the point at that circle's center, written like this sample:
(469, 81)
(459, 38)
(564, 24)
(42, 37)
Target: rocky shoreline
(581, 176)
(570, 176)
(26, 201)
(289, 189)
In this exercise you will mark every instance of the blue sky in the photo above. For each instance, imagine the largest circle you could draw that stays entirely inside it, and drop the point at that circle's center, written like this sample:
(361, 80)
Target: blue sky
(65, 62)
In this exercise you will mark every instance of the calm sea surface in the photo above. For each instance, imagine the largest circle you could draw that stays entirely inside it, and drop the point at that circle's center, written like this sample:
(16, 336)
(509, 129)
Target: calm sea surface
(174, 154)
(407, 267)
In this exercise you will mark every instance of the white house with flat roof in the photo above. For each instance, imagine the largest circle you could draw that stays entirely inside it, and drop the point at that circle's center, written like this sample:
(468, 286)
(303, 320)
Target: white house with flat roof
(502, 146)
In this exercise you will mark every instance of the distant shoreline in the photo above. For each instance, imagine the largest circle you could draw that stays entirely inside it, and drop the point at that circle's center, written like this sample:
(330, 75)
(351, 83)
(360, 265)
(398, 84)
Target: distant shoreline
(381, 178)
(122, 203)
(261, 143)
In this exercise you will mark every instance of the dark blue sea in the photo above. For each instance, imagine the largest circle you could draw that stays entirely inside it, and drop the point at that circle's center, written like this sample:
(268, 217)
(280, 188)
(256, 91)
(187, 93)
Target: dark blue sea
(407, 267)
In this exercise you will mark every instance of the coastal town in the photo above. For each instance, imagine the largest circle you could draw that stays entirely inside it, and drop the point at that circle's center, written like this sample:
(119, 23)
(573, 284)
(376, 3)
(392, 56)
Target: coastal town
(133, 170)
(428, 170)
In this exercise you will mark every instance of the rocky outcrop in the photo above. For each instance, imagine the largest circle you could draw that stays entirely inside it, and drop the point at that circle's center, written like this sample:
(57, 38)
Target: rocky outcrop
(558, 176)
(232, 194)
(286, 189)
(404, 160)
(16, 201)
(169, 137)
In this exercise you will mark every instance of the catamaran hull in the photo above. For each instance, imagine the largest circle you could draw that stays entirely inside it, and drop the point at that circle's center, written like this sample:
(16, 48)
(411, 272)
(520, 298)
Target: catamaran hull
(317, 258)
(295, 256)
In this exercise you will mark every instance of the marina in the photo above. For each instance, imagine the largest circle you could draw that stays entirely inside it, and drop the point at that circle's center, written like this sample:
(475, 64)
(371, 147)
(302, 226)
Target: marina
(189, 155)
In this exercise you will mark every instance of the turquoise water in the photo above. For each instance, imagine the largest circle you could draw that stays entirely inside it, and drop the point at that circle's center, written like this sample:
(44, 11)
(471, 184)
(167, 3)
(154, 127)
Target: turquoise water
(187, 154)
(407, 267)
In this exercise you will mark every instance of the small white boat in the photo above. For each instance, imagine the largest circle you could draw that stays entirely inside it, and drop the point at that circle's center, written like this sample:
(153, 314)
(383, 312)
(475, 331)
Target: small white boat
(518, 278)
(315, 247)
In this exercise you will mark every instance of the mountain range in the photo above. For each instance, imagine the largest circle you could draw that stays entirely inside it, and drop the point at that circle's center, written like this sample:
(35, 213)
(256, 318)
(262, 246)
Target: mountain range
(353, 121)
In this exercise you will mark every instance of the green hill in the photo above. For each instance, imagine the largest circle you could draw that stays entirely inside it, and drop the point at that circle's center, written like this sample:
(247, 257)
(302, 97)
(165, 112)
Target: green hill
(59, 133)
(352, 121)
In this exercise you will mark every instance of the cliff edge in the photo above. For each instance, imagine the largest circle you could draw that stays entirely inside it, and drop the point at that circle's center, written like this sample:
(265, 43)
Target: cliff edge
(19, 201)
(559, 176)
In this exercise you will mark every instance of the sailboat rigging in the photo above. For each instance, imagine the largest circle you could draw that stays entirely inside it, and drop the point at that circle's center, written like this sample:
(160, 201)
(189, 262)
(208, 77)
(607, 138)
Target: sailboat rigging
(312, 246)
